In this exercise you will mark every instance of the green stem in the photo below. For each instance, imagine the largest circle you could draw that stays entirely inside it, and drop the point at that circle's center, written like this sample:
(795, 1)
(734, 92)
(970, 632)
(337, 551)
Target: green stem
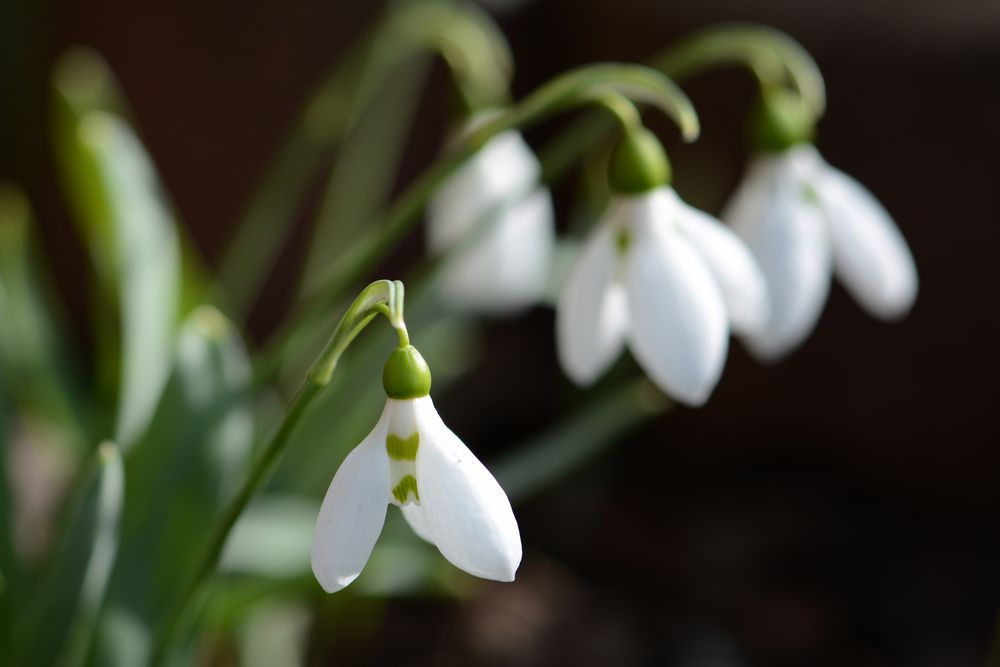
(773, 56)
(576, 87)
(369, 303)
(467, 39)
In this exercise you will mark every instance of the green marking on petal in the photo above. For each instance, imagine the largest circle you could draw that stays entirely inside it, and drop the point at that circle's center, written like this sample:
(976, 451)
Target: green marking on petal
(809, 193)
(400, 449)
(623, 240)
(402, 490)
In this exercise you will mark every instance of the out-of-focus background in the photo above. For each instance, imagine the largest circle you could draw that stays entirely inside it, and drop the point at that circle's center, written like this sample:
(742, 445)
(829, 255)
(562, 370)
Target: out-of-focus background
(839, 508)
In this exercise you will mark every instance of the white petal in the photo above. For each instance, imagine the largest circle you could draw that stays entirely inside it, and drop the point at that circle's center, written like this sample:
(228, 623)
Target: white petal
(353, 511)
(414, 515)
(503, 169)
(466, 512)
(753, 192)
(739, 278)
(495, 196)
(506, 268)
(591, 314)
(786, 233)
(765, 174)
(679, 330)
(870, 255)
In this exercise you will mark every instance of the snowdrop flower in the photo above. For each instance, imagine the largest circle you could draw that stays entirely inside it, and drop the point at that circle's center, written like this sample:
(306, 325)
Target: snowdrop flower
(805, 221)
(495, 199)
(412, 460)
(668, 279)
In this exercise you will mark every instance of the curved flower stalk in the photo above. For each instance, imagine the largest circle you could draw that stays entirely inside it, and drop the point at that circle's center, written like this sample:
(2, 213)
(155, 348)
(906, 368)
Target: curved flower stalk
(806, 221)
(661, 275)
(503, 220)
(412, 460)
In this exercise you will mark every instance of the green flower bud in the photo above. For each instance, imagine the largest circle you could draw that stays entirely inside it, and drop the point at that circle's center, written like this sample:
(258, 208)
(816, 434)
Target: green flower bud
(638, 163)
(406, 374)
(779, 120)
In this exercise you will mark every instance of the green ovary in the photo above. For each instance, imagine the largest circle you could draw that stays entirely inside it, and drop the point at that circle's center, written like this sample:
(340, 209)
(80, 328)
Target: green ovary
(402, 490)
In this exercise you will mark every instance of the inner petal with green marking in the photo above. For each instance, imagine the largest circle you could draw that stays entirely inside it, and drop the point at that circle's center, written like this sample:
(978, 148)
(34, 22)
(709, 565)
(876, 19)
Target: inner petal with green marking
(403, 468)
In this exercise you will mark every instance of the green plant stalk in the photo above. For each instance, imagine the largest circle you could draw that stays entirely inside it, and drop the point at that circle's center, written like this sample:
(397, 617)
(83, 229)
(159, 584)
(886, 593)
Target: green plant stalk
(772, 56)
(465, 37)
(382, 296)
(576, 87)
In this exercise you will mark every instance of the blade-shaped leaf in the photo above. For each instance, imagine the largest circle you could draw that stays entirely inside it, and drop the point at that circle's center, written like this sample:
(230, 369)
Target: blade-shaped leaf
(129, 230)
(57, 629)
(9, 565)
(181, 471)
(33, 356)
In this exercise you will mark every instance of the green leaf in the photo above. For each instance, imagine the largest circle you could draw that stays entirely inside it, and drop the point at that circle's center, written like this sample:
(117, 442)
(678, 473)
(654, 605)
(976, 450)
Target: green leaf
(10, 566)
(181, 472)
(370, 96)
(130, 232)
(33, 355)
(58, 628)
(365, 170)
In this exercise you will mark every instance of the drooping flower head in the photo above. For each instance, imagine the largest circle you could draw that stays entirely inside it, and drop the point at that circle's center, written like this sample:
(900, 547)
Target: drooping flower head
(412, 460)
(494, 207)
(806, 221)
(666, 278)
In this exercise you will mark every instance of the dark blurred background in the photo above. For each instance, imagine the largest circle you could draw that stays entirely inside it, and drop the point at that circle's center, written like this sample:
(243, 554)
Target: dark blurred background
(837, 509)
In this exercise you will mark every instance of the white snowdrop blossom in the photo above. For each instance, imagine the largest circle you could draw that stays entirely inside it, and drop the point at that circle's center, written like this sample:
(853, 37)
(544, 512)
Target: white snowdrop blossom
(412, 460)
(804, 221)
(668, 279)
(494, 207)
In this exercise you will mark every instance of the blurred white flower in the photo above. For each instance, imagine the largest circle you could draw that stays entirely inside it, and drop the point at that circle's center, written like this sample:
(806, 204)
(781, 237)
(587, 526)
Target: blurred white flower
(411, 459)
(669, 279)
(494, 206)
(805, 220)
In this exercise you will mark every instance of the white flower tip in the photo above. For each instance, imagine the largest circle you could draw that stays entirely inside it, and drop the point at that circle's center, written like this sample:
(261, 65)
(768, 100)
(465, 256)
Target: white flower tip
(508, 575)
(582, 375)
(897, 303)
(503, 568)
(766, 349)
(329, 579)
(332, 584)
(694, 397)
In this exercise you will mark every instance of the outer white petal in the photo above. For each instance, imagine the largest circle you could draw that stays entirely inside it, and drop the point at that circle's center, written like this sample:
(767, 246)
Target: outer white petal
(753, 193)
(504, 168)
(591, 314)
(465, 511)
(679, 330)
(787, 235)
(870, 255)
(506, 267)
(353, 511)
(740, 280)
